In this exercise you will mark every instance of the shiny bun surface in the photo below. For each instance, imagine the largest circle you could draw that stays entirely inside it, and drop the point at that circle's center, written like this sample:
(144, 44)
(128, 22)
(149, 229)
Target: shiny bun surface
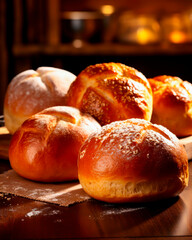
(32, 91)
(172, 104)
(45, 148)
(132, 161)
(111, 92)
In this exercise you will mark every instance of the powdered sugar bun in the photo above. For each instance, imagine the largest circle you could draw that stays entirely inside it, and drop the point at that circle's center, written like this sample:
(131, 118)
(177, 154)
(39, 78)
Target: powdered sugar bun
(32, 91)
(132, 161)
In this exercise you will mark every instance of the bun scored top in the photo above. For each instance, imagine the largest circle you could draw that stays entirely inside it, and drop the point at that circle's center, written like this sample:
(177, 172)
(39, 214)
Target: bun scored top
(111, 92)
(45, 148)
(32, 91)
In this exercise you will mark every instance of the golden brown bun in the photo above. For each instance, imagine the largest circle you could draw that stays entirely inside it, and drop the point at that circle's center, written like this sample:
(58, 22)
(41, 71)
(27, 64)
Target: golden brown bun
(111, 92)
(132, 161)
(45, 148)
(172, 104)
(32, 91)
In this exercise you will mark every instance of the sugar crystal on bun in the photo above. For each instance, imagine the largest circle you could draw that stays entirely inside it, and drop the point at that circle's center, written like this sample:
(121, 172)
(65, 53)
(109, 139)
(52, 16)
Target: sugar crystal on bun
(111, 92)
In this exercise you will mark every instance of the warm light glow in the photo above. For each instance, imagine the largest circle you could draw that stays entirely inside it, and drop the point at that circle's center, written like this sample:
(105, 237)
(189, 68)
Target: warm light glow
(107, 9)
(177, 28)
(77, 43)
(177, 37)
(144, 35)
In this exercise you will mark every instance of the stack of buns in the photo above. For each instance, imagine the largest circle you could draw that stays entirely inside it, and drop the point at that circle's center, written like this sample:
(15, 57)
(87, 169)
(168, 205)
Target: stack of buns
(99, 128)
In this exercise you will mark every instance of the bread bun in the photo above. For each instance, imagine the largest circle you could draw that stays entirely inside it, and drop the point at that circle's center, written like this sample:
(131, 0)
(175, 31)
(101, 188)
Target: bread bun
(32, 91)
(132, 161)
(172, 104)
(111, 92)
(45, 148)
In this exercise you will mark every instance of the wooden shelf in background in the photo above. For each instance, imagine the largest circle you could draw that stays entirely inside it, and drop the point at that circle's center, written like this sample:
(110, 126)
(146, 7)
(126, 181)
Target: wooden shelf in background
(101, 49)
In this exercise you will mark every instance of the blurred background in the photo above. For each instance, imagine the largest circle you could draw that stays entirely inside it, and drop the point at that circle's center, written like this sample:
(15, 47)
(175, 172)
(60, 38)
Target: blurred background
(155, 37)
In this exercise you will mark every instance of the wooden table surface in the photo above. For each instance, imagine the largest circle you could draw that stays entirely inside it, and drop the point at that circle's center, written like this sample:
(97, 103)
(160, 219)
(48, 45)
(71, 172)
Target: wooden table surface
(22, 218)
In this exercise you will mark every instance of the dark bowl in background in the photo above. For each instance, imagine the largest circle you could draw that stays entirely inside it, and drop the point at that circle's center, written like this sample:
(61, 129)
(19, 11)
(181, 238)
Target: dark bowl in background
(82, 25)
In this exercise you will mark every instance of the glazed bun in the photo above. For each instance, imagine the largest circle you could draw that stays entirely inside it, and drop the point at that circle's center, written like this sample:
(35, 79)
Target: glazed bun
(45, 148)
(172, 104)
(32, 91)
(132, 161)
(111, 92)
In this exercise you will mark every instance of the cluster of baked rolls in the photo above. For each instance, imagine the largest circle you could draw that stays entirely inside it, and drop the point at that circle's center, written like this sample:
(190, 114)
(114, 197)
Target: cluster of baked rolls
(101, 128)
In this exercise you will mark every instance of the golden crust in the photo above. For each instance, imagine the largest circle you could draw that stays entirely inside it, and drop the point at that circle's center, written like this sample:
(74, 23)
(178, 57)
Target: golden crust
(172, 104)
(32, 91)
(45, 148)
(124, 191)
(132, 160)
(111, 92)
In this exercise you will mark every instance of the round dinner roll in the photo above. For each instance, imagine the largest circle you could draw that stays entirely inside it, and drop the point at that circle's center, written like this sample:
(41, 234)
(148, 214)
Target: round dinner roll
(111, 92)
(172, 104)
(32, 91)
(132, 161)
(45, 148)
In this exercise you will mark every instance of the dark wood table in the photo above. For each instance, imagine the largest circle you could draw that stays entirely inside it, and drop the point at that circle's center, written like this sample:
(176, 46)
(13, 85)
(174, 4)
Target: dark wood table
(22, 218)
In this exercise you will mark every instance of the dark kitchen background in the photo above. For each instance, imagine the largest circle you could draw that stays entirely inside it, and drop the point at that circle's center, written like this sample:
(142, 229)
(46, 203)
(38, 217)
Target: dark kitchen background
(155, 37)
